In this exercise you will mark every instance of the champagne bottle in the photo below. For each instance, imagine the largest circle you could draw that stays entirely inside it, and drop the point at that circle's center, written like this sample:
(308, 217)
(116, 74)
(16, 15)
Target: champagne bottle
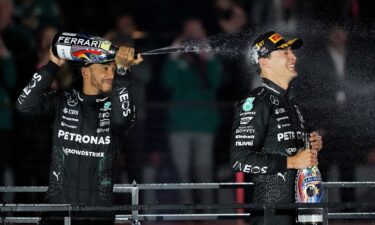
(83, 48)
(309, 189)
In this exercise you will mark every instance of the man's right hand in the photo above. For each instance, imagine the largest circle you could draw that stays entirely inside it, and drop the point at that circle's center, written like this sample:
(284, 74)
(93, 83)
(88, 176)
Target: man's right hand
(303, 159)
(55, 59)
(125, 57)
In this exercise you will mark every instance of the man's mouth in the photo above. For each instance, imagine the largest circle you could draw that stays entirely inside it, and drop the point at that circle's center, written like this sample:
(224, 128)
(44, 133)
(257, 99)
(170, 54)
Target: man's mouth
(108, 81)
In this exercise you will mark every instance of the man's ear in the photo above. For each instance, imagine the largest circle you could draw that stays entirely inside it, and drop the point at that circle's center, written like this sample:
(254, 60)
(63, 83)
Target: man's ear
(84, 72)
(264, 63)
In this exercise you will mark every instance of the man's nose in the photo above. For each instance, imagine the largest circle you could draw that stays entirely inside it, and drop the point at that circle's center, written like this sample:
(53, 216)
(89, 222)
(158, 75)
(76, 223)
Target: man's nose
(292, 56)
(111, 73)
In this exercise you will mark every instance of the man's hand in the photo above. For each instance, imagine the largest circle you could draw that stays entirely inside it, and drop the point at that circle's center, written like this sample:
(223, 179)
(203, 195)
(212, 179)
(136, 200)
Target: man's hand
(316, 141)
(303, 159)
(125, 57)
(55, 59)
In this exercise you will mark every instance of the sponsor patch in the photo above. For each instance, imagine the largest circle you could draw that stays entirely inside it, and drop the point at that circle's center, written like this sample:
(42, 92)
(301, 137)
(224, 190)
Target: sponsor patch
(244, 143)
(68, 151)
(245, 130)
(72, 98)
(248, 104)
(246, 168)
(70, 111)
(26, 91)
(246, 120)
(282, 118)
(69, 118)
(104, 115)
(279, 126)
(85, 139)
(248, 113)
(104, 122)
(67, 125)
(288, 135)
(107, 105)
(274, 100)
(279, 111)
(275, 38)
(245, 136)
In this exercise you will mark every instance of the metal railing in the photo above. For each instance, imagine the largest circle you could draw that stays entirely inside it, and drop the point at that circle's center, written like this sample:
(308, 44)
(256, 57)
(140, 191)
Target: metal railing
(268, 209)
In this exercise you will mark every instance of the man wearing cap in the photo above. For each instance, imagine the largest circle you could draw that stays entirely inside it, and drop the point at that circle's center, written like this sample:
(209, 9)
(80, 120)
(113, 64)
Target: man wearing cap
(89, 127)
(268, 128)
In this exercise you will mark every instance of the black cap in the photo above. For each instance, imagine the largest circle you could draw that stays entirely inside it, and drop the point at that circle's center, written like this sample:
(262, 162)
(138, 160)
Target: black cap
(271, 41)
(89, 63)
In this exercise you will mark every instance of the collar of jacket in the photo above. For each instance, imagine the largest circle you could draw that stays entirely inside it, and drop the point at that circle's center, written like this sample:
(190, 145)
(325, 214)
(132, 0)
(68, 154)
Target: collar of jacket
(91, 98)
(274, 88)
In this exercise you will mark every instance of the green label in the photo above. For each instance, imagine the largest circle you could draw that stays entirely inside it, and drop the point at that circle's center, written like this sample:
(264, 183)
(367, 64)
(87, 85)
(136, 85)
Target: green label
(248, 104)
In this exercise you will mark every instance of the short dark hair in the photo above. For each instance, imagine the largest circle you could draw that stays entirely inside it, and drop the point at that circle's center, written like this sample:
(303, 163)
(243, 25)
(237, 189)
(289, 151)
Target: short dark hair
(257, 66)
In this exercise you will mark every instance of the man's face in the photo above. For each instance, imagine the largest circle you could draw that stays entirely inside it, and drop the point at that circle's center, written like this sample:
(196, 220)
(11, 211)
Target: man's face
(282, 63)
(100, 77)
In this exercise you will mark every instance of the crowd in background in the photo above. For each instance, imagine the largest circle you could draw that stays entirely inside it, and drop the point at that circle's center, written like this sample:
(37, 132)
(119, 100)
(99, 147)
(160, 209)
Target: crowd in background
(185, 101)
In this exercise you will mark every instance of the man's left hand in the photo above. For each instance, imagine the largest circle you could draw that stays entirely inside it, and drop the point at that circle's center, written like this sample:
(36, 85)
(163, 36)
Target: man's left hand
(316, 141)
(125, 57)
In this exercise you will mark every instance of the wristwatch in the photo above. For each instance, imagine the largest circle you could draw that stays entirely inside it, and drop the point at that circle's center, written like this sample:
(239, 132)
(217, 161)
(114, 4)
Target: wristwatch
(121, 70)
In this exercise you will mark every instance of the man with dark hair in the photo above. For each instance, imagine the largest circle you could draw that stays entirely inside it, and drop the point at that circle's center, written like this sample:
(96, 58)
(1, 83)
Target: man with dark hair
(268, 128)
(89, 127)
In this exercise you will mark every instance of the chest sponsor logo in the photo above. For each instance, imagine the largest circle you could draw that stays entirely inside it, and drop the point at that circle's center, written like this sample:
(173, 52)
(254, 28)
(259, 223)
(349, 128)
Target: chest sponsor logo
(279, 126)
(247, 130)
(106, 107)
(279, 111)
(67, 125)
(104, 122)
(282, 118)
(246, 168)
(104, 115)
(245, 136)
(274, 100)
(72, 99)
(288, 135)
(68, 151)
(70, 111)
(85, 139)
(69, 119)
(244, 143)
(26, 91)
(247, 113)
(246, 120)
(248, 104)
(102, 130)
